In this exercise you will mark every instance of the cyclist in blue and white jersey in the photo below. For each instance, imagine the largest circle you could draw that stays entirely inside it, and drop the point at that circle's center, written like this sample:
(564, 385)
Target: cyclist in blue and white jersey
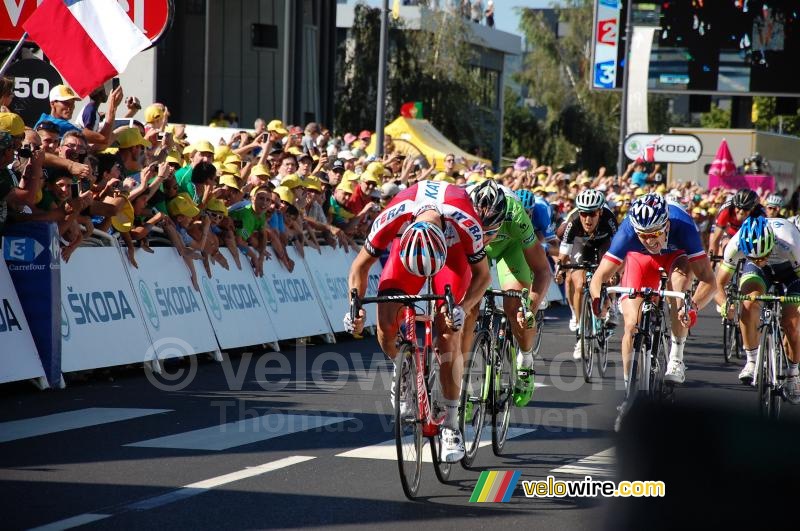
(772, 250)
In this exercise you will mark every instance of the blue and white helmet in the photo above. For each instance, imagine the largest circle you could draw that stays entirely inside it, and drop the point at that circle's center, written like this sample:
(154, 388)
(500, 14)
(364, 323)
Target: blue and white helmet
(648, 213)
(774, 200)
(756, 237)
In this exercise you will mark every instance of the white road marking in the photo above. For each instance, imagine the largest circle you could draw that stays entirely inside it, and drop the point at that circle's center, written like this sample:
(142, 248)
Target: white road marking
(182, 493)
(600, 464)
(387, 450)
(69, 523)
(241, 432)
(69, 420)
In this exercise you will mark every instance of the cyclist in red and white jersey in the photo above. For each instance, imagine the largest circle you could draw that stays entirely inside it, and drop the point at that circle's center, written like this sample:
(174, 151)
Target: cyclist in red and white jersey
(731, 216)
(418, 215)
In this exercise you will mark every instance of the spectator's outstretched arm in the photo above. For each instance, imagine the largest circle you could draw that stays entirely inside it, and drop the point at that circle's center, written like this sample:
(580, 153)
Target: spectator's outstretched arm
(104, 136)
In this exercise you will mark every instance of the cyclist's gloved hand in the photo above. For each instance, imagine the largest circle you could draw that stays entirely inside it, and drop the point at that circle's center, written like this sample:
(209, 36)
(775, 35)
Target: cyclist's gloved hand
(691, 317)
(456, 320)
(354, 327)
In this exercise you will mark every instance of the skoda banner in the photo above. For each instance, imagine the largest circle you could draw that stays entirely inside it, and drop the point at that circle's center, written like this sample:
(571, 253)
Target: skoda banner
(32, 254)
(290, 298)
(679, 149)
(238, 313)
(101, 325)
(329, 271)
(173, 310)
(19, 359)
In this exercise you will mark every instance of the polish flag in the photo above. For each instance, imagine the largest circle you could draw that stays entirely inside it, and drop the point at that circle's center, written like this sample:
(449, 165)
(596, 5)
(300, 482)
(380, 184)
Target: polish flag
(88, 41)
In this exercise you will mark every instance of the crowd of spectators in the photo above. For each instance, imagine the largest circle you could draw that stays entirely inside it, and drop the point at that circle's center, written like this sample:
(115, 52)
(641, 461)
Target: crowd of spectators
(255, 193)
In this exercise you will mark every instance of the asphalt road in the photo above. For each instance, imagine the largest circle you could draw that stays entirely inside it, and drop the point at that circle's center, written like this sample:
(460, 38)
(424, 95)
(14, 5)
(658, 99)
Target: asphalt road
(303, 438)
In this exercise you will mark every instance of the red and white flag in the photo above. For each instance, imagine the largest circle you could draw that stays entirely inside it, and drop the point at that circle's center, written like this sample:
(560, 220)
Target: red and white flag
(88, 41)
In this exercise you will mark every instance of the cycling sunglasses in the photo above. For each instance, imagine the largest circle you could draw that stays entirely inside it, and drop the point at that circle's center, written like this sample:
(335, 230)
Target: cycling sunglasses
(651, 235)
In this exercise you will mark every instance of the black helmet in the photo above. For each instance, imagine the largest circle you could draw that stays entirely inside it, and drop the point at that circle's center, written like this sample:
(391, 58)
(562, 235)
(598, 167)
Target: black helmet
(490, 203)
(746, 199)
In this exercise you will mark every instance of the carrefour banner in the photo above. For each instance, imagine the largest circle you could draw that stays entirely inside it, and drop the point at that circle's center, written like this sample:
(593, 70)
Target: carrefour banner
(33, 256)
(235, 306)
(290, 297)
(329, 272)
(101, 325)
(173, 311)
(19, 359)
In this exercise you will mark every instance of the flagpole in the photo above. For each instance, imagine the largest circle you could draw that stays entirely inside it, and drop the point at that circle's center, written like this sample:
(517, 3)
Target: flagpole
(381, 103)
(13, 54)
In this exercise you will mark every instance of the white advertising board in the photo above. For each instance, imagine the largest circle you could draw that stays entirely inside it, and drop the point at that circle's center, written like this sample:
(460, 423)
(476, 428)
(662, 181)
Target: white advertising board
(234, 304)
(101, 325)
(291, 299)
(19, 359)
(173, 311)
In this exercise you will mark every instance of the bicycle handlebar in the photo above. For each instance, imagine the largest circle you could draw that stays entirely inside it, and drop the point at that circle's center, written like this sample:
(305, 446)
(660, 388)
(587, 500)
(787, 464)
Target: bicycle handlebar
(356, 303)
(792, 299)
(582, 265)
(646, 292)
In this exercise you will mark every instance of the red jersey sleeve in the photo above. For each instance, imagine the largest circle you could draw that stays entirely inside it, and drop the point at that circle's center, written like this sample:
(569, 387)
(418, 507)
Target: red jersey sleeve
(459, 210)
(389, 222)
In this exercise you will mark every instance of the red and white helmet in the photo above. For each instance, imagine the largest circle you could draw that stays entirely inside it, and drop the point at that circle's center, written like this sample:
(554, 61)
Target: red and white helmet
(423, 249)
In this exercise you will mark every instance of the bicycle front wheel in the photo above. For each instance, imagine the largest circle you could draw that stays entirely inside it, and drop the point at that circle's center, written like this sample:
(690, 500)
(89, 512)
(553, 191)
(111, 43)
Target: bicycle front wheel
(475, 395)
(766, 385)
(587, 338)
(728, 339)
(658, 364)
(537, 341)
(503, 390)
(407, 427)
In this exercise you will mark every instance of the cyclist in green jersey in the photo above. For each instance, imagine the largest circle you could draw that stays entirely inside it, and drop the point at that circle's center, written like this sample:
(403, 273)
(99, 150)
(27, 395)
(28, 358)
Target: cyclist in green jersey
(521, 264)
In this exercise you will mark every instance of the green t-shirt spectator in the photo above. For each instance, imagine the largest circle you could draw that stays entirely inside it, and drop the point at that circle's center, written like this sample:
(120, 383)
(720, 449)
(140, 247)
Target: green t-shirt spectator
(247, 221)
(185, 184)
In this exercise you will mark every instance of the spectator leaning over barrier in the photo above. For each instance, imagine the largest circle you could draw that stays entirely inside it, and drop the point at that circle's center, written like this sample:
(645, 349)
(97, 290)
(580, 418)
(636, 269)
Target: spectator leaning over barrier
(131, 153)
(315, 214)
(25, 167)
(249, 221)
(338, 214)
(222, 228)
(184, 212)
(201, 151)
(90, 121)
(292, 199)
(58, 199)
(13, 199)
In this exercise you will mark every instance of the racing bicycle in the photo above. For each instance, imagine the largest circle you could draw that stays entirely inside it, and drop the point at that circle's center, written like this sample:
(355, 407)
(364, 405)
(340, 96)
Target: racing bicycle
(771, 361)
(491, 375)
(592, 331)
(418, 368)
(650, 345)
(731, 333)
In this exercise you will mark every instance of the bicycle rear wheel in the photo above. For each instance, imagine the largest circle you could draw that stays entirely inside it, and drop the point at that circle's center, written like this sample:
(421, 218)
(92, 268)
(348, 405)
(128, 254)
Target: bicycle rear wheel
(408, 428)
(602, 350)
(728, 339)
(502, 390)
(475, 395)
(781, 368)
(587, 338)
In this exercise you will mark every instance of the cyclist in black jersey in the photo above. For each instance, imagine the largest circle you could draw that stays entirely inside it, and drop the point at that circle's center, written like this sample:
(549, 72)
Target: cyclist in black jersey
(586, 236)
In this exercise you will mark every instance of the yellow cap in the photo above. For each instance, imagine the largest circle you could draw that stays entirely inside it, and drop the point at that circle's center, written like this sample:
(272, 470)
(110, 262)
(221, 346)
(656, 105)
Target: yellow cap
(217, 206)
(712, 211)
(261, 188)
(233, 158)
(217, 165)
(260, 170)
(131, 136)
(291, 181)
(174, 157)
(182, 204)
(232, 169)
(375, 167)
(285, 194)
(123, 221)
(222, 152)
(638, 192)
(442, 176)
(475, 178)
(346, 185)
(349, 175)
(661, 189)
(313, 184)
(229, 180)
(697, 210)
(276, 126)
(12, 123)
(370, 177)
(203, 146)
(294, 150)
(490, 174)
(153, 112)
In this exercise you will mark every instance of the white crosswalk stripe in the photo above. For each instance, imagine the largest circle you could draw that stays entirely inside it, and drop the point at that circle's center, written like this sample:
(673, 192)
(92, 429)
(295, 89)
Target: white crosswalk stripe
(600, 464)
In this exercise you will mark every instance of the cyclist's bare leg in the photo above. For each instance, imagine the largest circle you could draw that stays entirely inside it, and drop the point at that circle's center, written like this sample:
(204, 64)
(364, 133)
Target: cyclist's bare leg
(468, 332)
(749, 314)
(576, 279)
(511, 306)
(790, 322)
(630, 314)
(451, 356)
(571, 292)
(390, 315)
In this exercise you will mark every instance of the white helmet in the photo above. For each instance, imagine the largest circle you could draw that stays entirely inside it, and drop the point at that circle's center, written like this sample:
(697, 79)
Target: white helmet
(648, 213)
(590, 200)
(423, 249)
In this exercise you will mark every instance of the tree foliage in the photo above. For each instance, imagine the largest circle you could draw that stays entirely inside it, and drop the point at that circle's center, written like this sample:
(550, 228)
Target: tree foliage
(432, 65)
(582, 124)
(716, 118)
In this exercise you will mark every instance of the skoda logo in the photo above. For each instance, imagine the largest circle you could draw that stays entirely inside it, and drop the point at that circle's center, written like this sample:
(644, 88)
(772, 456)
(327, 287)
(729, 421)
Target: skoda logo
(64, 323)
(635, 146)
(149, 306)
(213, 305)
(272, 302)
